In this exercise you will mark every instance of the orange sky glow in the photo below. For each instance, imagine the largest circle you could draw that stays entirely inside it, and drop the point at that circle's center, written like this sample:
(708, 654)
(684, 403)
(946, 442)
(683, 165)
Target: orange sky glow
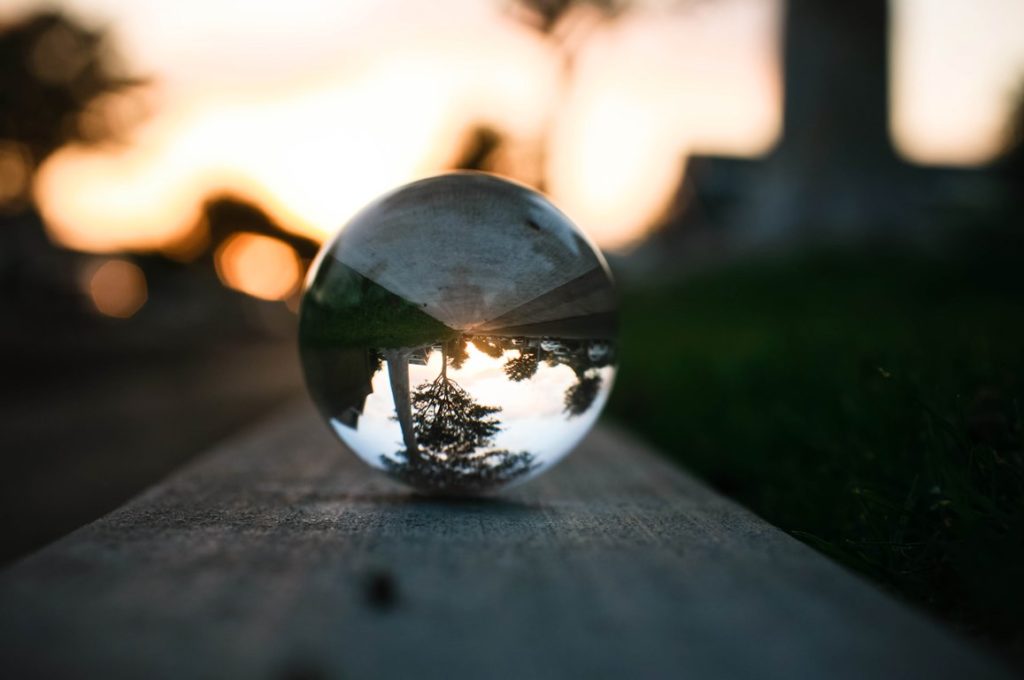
(312, 108)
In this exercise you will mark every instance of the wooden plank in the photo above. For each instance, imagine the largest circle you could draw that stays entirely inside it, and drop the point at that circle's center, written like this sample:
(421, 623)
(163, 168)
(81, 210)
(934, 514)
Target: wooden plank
(280, 555)
(78, 443)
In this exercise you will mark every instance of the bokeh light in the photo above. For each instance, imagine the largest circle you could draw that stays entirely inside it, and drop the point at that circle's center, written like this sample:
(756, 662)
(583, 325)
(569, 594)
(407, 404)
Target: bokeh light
(15, 172)
(958, 69)
(117, 288)
(261, 266)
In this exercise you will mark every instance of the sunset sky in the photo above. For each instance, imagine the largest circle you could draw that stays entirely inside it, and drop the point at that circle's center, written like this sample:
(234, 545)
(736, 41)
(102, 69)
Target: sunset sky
(311, 108)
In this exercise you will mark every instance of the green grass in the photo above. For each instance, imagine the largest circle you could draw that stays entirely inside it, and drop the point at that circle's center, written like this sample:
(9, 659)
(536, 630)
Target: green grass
(345, 309)
(871, 405)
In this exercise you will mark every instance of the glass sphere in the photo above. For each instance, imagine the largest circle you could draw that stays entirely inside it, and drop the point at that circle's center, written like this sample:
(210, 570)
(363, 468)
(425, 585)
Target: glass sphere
(458, 334)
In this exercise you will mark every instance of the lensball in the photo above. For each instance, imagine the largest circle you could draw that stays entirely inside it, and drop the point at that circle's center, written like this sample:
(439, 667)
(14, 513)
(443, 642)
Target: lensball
(458, 334)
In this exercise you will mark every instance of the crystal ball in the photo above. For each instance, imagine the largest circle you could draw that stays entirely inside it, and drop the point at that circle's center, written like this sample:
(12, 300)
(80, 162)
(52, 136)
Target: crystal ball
(458, 334)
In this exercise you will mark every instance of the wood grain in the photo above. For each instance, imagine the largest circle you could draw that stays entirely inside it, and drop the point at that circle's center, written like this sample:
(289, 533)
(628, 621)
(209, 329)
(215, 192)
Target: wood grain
(279, 555)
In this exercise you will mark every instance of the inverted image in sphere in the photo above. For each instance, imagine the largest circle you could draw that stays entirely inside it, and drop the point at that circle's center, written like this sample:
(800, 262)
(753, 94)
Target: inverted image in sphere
(458, 334)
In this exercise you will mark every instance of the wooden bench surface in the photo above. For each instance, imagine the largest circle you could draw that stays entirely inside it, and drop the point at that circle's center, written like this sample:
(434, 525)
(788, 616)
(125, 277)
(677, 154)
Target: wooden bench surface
(279, 555)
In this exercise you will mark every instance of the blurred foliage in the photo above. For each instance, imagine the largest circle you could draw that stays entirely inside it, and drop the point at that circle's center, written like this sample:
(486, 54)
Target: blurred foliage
(53, 70)
(225, 215)
(55, 76)
(870, 404)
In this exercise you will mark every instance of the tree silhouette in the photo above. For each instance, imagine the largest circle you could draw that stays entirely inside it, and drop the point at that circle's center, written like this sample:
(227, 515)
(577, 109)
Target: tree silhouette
(522, 367)
(449, 428)
(447, 419)
(456, 351)
(545, 17)
(580, 396)
(585, 363)
(584, 357)
(460, 475)
(447, 433)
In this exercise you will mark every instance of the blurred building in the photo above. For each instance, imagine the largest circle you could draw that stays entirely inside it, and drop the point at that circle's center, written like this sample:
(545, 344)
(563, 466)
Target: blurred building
(834, 177)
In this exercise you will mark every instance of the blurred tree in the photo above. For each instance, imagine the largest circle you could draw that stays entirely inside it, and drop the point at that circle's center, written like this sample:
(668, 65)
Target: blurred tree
(225, 215)
(478, 154)
(53, 70)
(545, 15)
(566, 24)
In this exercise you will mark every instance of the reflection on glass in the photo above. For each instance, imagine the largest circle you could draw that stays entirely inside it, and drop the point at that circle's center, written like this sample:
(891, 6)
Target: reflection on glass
(458, 334)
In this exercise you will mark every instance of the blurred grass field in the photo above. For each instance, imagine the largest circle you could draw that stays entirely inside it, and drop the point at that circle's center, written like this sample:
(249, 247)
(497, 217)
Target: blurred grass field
(871, 404)
(347, 309)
